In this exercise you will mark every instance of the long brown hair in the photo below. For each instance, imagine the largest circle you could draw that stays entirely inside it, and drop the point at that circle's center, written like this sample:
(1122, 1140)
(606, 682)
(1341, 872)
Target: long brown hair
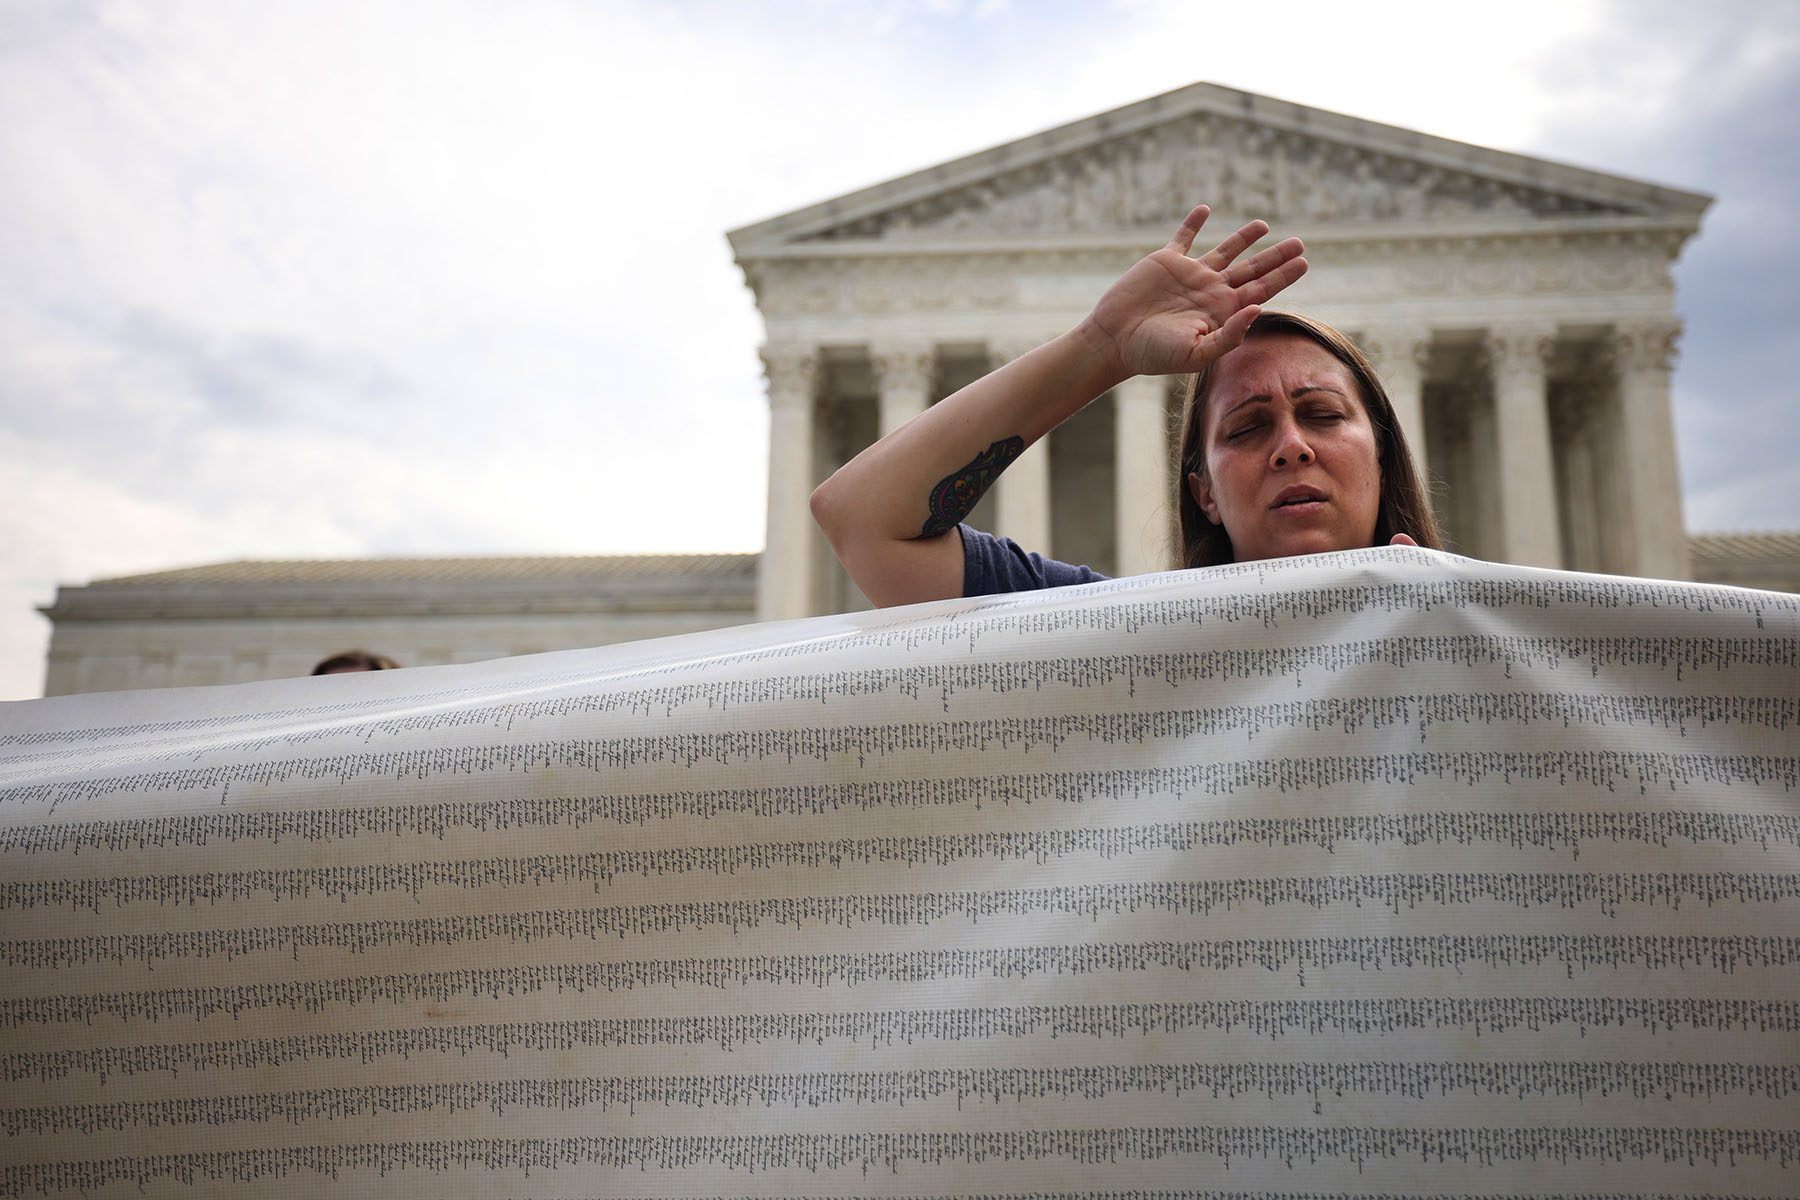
(354, 660)
(1405, 505)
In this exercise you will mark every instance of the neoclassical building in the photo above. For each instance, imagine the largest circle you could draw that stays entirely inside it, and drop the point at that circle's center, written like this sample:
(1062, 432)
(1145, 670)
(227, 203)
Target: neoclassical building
(1522, 313)
(236, 622)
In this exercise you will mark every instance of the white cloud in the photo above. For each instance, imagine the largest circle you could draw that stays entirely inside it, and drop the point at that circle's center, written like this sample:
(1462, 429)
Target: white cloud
(308, 279)
(1468, 71)
(62, 524)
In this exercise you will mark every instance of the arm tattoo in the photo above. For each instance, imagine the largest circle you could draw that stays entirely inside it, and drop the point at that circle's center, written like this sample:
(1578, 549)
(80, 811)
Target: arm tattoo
(956, 494)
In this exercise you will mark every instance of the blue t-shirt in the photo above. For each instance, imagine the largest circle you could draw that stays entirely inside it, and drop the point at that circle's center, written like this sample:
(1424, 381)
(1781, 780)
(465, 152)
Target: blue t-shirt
(993, 566)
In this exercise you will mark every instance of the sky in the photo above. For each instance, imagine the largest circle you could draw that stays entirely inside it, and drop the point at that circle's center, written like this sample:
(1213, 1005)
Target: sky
(329, 279)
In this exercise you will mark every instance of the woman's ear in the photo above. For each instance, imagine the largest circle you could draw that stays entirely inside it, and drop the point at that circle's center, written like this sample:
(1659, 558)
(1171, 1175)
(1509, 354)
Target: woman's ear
(1201, 490)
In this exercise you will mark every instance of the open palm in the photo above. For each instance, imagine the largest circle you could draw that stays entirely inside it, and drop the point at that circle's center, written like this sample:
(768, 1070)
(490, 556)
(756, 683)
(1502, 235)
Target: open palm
(1171, 314)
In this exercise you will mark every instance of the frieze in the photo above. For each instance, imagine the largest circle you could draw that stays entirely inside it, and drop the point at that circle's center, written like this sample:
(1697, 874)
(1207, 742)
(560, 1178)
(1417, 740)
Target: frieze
(1150, 178)
(887, 285)
(881, 288)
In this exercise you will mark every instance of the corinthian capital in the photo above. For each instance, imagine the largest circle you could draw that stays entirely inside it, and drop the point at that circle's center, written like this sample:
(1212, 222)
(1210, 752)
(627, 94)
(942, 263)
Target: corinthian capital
(904, 366)
(792, 369)
(1519, 347)
(1397, 348)
(1646, 345)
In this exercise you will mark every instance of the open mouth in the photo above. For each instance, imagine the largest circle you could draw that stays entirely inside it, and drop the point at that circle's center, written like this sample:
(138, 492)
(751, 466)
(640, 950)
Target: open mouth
(1300, 498)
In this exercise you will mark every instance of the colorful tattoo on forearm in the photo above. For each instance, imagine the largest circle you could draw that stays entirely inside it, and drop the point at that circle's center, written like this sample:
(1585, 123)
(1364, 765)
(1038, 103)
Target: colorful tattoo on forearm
(956, 495)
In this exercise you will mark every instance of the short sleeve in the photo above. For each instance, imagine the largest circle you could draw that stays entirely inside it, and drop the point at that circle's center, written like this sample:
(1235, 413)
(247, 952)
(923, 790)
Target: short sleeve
(993, 566)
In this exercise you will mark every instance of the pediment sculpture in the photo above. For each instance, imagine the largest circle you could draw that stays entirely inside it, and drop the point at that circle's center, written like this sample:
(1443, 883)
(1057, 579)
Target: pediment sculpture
(1149, 178)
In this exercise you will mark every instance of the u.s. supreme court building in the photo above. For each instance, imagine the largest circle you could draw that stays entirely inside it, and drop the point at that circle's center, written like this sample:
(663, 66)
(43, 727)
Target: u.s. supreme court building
(1522, 313)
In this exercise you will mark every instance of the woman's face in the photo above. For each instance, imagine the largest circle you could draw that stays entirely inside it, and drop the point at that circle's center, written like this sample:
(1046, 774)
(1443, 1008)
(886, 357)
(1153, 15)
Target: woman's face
(1291, 460)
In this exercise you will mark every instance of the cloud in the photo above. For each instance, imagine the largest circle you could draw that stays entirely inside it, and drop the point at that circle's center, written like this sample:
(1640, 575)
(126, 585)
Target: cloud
(322, 279)
(1707, 100)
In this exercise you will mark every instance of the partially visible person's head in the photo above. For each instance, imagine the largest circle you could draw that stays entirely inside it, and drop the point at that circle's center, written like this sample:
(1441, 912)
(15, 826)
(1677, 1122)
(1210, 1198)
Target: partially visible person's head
(1291, 446)
(346, 661)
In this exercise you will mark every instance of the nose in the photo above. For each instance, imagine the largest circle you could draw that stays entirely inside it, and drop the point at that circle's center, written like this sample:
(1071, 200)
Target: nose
(1291, 446)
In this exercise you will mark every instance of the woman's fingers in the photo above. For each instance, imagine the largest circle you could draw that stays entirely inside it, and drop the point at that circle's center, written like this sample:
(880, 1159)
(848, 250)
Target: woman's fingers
(1220, 256)
(1264, 262)
(1183, 241)
(1259, 290)
(1225, 338)
(1400, 539)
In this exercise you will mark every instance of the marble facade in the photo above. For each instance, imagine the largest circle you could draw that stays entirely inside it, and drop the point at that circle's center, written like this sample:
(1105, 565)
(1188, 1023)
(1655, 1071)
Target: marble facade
(1521, 311)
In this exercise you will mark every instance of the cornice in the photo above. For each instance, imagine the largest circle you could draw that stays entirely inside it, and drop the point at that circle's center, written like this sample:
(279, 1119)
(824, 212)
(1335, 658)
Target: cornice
(1667, 234)
(341, 601)
(1624, 273)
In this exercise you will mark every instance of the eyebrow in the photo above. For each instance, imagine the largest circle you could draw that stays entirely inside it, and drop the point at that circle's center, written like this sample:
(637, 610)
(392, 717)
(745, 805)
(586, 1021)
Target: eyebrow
(1297, 393)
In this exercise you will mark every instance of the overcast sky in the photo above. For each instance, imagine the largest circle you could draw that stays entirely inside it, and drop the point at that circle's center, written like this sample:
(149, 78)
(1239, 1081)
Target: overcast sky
(334, 279)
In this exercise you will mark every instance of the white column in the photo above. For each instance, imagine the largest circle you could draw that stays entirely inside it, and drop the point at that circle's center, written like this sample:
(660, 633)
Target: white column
(1141, 474)
(1582, 498)
(1531, 536)
(1643, 355)
(785, 578)
(1022, 497)
(903, 376)
(1400, 354)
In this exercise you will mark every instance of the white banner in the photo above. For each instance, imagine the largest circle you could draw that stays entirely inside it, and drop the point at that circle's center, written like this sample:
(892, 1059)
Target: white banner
(1385, 873)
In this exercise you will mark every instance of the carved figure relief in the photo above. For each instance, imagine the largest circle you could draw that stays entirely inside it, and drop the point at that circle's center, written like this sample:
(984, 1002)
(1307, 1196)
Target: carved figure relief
(1148, 179)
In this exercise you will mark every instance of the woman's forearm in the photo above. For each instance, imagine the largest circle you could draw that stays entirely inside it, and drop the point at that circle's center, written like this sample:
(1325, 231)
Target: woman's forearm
(923, 478)
(886, 511)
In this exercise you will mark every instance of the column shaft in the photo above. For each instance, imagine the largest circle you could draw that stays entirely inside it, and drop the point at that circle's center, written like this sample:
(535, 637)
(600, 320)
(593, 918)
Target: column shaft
(784, 584)
(1141, 475)
(904, 372)
(1530, 532)
(1643, 355)
(1401, 354)
(1581, 497)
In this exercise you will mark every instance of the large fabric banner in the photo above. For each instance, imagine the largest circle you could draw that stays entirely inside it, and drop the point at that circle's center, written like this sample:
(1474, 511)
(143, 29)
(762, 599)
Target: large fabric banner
(1381, 874)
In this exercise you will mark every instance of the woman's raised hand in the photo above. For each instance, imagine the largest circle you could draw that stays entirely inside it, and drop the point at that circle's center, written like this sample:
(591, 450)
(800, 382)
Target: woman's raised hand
(1171, 314)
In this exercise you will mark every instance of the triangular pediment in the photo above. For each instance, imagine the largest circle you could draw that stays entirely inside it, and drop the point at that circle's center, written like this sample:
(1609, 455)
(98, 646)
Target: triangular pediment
(1141, 167)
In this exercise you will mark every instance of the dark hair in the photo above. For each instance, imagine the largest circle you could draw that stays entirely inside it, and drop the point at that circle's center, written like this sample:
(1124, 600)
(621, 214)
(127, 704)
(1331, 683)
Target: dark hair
(1405, 506)
(354, 660)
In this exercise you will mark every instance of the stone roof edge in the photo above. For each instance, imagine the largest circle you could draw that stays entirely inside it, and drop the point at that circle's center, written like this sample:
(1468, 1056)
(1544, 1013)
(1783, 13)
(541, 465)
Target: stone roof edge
(419, 570)
(1758, 544)
(1678, 228)
(404, 598)
(1285, 115)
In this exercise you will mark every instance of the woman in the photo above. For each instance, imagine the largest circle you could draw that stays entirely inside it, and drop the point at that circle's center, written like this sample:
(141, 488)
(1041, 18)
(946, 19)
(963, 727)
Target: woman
(1290, 445)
